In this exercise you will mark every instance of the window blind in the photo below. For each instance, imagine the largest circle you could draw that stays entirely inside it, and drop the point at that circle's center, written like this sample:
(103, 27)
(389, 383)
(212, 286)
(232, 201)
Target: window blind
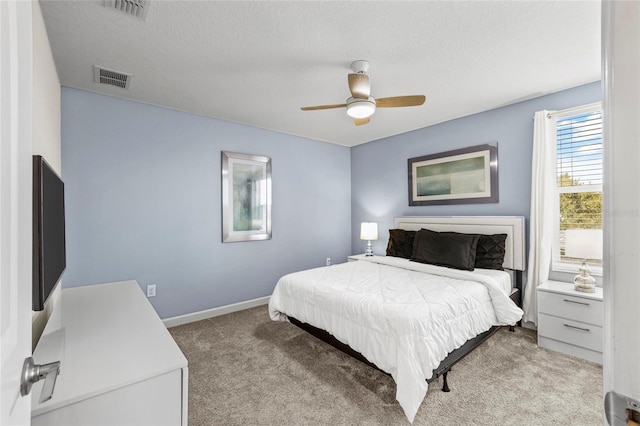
(579, 172)
(579, 145)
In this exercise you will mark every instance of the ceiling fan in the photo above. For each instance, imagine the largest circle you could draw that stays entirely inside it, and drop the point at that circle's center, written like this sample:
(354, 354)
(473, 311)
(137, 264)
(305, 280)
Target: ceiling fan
(361, 105)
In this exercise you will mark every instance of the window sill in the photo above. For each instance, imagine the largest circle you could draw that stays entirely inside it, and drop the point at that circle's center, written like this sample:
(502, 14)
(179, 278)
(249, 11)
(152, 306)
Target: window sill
(572, 268)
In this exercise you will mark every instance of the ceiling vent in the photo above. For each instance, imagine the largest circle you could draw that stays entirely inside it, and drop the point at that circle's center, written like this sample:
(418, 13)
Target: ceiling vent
(110, 77)
(137, 8)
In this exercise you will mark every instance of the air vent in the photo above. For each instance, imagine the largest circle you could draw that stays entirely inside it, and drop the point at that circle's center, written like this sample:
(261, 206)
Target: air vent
(110, 77)
(137, 8)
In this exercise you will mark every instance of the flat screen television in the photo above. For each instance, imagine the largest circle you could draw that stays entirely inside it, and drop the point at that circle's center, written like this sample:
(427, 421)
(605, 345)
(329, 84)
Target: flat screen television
(49, 248)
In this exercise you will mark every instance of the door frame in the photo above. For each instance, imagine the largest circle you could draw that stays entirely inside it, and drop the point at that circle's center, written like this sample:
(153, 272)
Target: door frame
(16, 134)
(621, 199)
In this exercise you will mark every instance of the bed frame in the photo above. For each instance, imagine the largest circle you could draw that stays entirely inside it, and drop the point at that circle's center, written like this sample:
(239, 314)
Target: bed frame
(514, 261)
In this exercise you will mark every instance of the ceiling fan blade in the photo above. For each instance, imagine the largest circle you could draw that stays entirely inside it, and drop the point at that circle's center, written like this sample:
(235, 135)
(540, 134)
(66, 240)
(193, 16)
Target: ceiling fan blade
(400, 101)
(317, 107)
(361, 121)
(359, 86)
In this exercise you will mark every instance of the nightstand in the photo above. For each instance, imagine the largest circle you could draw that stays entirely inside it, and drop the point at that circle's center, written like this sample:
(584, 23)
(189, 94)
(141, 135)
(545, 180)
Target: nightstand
(356, 257)
(570, 321)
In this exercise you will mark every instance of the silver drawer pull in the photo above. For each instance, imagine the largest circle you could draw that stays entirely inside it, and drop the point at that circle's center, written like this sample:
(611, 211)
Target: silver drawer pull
(577, 328)
(577, 303)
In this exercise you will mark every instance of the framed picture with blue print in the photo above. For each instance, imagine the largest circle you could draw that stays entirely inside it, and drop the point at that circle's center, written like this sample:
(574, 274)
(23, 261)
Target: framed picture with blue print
(462, 176)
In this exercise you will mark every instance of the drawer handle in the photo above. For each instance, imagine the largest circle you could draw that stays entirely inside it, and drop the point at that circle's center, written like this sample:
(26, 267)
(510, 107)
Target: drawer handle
(577, 303)
(577, 328)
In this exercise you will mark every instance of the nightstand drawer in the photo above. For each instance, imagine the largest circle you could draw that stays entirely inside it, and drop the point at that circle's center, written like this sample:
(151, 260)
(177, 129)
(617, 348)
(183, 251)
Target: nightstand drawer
(573, 332)
(574, 308)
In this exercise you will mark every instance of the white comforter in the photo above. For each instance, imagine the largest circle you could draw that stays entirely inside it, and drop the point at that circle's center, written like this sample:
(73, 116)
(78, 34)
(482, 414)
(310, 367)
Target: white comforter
(403, 316)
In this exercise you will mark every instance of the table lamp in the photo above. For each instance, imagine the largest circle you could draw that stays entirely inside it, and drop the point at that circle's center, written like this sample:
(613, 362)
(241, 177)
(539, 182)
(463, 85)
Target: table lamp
(584, 244)
(369, 231)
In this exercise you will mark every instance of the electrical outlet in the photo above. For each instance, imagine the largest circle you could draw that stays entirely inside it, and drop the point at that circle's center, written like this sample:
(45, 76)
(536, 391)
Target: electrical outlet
(151, 290)
(328, 261)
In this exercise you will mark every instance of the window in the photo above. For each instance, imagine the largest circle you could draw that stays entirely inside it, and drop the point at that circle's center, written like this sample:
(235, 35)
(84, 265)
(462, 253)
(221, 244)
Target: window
(579, 188)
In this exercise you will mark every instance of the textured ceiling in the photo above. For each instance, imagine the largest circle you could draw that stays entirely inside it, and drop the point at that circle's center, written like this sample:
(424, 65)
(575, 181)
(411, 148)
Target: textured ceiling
(258, 62)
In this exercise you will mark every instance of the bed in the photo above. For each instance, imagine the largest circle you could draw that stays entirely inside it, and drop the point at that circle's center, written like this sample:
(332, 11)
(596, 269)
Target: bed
(417, 311)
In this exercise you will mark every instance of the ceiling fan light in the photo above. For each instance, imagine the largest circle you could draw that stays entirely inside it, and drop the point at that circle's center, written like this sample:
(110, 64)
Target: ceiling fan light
(361, 108)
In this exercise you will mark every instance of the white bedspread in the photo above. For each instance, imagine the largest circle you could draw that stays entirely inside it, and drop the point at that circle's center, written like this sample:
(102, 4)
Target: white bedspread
(403, 316)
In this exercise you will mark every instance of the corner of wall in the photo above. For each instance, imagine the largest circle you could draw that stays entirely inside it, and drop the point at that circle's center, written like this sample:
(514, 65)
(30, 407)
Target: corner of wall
(39, 319)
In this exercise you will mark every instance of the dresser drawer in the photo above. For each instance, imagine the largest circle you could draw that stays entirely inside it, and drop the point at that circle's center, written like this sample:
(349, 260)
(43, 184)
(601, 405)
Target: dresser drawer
(573, 332)
(574, 308)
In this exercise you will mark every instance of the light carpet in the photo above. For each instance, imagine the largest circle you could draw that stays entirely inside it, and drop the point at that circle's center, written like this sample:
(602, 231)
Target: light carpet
(245, 369)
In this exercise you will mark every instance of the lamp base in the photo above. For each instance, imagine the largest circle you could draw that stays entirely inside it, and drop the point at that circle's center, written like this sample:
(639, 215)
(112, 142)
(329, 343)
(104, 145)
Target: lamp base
(584, 282)
(585, 288)
(369, 251)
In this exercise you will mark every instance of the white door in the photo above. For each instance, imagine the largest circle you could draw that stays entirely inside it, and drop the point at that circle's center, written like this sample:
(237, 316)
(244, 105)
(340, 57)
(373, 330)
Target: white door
(16, 99)
(621, 55)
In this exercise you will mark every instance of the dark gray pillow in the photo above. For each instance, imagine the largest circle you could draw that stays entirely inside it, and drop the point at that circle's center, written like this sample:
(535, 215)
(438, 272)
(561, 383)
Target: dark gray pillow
(490, 251)
(450, 249)
(400, 243)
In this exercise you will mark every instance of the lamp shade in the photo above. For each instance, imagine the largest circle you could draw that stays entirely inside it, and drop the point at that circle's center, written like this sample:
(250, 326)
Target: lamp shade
(583, 243)
(369, 231)
(360, 108)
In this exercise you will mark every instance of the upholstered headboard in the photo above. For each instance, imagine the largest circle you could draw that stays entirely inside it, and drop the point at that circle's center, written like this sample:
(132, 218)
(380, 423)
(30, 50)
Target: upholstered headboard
(513, 226)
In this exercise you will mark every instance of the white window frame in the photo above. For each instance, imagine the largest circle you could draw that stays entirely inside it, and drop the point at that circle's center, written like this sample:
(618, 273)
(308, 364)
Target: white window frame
(558, 265)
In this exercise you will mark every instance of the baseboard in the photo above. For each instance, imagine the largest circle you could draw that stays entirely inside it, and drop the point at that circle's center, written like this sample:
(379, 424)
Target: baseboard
(214, 312)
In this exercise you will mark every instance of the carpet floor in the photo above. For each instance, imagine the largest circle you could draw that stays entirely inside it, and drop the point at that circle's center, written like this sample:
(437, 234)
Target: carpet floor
(245, 369)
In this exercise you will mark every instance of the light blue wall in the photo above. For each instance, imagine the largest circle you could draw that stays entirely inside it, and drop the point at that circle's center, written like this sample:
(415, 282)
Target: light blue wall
(379, 185)
(143, 202)
(143, 194)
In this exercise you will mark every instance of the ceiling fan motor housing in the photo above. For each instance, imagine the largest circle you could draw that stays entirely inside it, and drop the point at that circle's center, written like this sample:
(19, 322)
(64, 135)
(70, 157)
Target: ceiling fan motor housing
(360, 67)
(361, 108)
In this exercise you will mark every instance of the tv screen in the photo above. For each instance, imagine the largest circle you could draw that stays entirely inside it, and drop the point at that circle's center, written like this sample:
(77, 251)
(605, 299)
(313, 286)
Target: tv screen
(49, 256)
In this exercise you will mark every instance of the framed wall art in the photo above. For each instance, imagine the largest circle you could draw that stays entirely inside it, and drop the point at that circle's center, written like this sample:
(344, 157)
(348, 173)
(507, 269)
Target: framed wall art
(246, 197)
(463, 176)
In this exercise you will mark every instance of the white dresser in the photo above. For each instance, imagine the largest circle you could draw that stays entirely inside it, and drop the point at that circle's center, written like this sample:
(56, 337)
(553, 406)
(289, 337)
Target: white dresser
(119, 364)
(570, 321)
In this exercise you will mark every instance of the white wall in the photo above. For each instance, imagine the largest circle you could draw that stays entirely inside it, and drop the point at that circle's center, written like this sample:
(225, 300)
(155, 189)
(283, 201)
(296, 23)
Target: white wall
(46, 128)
